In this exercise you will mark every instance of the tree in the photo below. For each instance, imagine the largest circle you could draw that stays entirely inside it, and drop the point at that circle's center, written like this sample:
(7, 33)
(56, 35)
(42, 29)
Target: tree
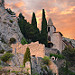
(34, 22)
(69, 54)
(22, 22)
(44, 29)
(10, 11)
(23, 41)
(36, 30)
(26, 56)
(6, 57)
(21, 16)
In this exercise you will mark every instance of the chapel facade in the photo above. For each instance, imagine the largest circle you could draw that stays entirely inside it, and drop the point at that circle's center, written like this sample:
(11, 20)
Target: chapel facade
(54, 37)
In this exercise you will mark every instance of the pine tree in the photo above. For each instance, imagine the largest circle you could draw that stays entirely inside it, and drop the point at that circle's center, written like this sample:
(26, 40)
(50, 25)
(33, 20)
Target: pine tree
(26, 56)
(44, 29)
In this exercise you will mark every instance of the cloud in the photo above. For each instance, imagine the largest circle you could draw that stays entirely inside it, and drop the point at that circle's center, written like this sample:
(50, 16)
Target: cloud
(62, 12)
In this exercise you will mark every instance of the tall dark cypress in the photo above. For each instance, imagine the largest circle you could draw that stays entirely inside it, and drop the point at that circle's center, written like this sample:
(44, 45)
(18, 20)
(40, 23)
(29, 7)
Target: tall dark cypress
(36, 30)
(44, 29)
(22, 22)
(34, 22)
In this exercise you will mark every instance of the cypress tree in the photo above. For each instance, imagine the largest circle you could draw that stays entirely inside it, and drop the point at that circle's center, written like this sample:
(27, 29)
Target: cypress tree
(36, 30)
(22, 22)
(34, 22)
(44, 29)
(26, 56)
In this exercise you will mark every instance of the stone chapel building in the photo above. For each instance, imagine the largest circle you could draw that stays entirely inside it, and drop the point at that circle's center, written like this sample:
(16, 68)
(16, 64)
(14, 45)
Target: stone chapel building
(54, 38)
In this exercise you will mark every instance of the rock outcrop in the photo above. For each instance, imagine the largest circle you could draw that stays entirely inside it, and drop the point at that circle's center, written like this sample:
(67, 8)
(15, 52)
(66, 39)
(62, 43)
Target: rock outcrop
(8, 25)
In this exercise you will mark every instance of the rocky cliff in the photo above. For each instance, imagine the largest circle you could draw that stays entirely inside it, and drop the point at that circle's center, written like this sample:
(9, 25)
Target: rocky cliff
(8, 25)
(72, 41)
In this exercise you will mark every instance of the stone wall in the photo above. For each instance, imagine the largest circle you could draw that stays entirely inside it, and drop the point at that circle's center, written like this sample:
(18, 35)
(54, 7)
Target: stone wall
(57, 41)
(36, 49)
(50, 50)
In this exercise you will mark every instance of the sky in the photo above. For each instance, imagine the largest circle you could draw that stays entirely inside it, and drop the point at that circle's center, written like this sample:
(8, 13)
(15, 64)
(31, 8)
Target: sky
(62, 13)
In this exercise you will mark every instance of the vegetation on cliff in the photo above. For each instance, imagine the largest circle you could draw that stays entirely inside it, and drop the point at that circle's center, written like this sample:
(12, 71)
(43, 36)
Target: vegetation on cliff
(6, 57)
(30, 31)
(26, 56)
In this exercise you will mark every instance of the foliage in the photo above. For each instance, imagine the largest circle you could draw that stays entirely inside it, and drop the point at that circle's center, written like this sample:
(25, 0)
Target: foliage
(30, 31)
(57, 56)
(0, 67)
(23, 41)
(10, 11)
(12, 40)
(26, 56)
(69, 54)
(16, 72)
(63, 71)
(2, 40)
(9, 52)
(21, 66)
(34, 22)
(6, 57)
(11, 21)
(2, 51)
(44, 29)
(36, 30)
(0, 62)
(46, 71)
(22, 22)
(46, 60)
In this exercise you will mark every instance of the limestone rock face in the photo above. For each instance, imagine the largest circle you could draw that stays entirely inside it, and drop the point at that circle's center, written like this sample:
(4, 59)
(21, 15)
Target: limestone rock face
(2, 3)
(8, 25)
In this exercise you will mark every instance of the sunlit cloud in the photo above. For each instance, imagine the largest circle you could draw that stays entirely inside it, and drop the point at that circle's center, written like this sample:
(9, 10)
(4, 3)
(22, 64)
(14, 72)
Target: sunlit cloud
(69, 10)
(62, 12)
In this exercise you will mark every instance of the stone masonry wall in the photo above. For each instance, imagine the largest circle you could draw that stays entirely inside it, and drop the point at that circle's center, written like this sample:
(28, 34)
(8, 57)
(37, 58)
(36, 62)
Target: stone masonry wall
(57, 41)
(35, 49)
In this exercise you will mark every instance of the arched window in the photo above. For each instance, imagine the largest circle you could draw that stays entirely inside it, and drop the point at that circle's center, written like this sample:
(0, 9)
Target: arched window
(49, 38)
(50, 45)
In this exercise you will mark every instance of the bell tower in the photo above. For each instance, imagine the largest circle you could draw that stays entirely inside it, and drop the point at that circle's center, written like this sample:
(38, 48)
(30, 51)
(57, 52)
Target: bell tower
(51, 29)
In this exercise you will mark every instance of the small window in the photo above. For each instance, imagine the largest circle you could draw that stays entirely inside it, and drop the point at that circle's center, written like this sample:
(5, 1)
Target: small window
(48, 29)
(49, 38)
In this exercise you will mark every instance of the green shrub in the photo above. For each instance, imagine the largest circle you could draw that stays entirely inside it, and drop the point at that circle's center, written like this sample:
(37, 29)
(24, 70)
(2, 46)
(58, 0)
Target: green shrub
(63, 71)
(57, 56)
(16, 72)
(6, 57)
(9, 52)
(2, 51)
(46, 60)
(21, 66)
(26, 56)
(0, 67)
(2, 40)
(12, 40)
(23, 41)
(0, 62)
(11, 21)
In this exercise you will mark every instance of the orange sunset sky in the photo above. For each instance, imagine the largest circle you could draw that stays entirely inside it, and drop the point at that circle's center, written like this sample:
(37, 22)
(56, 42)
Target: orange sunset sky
(62, 13)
